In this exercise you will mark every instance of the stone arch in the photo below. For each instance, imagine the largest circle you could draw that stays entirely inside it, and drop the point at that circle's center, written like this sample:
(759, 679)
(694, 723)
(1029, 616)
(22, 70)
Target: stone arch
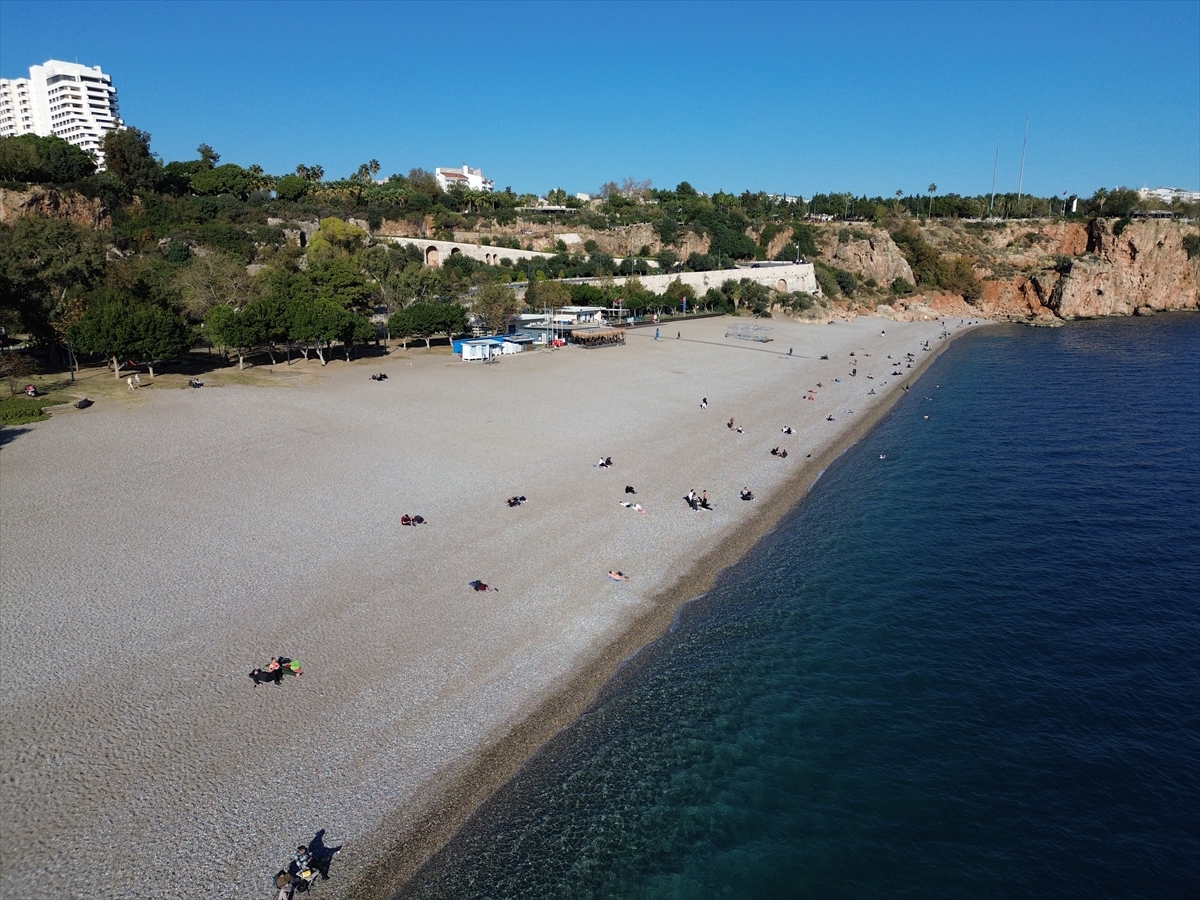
(431, 257)
(781, 286)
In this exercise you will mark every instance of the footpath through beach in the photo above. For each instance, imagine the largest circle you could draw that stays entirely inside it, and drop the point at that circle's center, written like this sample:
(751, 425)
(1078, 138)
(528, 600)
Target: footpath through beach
(152, 553)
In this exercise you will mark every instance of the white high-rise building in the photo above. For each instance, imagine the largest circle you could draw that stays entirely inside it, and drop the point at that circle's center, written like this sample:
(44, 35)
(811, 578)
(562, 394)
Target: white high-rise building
(77, 103)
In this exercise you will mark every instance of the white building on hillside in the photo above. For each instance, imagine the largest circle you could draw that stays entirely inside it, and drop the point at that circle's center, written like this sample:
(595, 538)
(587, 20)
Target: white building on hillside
(466, 176)
(1170, 195)
(77, 103)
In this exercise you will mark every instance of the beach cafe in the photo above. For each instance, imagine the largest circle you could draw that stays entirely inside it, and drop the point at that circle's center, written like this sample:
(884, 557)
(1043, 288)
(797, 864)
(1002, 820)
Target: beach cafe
(487, 348)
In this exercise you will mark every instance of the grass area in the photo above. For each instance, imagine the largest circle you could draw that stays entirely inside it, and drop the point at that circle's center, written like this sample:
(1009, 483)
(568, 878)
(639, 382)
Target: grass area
(18, 409)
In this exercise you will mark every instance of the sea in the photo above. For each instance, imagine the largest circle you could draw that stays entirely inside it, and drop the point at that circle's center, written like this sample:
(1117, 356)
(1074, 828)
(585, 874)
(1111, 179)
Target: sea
(966, 665)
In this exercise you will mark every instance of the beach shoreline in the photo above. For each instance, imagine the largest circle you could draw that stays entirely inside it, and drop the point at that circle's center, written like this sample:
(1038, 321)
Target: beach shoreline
(216, 528)
(420, 832)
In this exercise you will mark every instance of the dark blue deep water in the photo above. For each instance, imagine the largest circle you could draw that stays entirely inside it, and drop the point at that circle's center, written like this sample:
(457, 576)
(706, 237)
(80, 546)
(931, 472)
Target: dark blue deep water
(971, 669)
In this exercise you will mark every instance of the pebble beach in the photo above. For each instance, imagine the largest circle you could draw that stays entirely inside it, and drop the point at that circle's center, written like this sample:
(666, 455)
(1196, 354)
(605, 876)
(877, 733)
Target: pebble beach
(155, 549)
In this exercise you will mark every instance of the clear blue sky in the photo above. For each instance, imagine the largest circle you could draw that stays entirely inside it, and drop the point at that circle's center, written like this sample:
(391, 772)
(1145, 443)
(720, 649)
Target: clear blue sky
(783, 97)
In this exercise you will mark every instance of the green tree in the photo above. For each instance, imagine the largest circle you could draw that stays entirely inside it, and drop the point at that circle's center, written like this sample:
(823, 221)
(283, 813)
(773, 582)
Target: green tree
(43, 160)
(226, 179)
(317, 323)
(239, 330)
(495, 305)
(291, 188)
(127, 157)
(547, 295)
(341, 282)
(41, 261)
(121, 327)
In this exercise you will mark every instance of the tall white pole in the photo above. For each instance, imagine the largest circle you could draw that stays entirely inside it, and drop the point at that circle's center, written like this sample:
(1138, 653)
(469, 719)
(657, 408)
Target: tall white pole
(1021, 183)
(995, 167)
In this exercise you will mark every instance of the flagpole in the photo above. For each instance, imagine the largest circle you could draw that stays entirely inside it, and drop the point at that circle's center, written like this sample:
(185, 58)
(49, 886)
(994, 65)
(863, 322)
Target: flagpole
(1021, 183)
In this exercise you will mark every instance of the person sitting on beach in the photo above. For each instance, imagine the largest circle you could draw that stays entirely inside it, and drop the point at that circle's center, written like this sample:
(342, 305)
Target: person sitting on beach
(774, 451)
(481, 586)
(629, 489)
(783, 454)
(406, 519)
(747, 494)
(285, 883)
(704, 403)
(383, 376)
(691, 498)
(787, 429)
(829, 418)
(260, 676)
(418, 520)
(617, 576)
(704, 501)
(871, 391)
(515, 501)
(729, 424)
(302, 861)
(30, 390)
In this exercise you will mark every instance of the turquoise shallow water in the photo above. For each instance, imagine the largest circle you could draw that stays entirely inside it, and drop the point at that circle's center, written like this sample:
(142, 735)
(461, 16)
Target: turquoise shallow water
(969, 669)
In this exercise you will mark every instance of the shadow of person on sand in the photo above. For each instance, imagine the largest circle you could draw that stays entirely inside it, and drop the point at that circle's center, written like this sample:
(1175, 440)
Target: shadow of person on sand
(322, 854)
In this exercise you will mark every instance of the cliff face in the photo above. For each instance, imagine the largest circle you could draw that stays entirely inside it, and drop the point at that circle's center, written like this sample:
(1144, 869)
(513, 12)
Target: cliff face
(51, 203)
(870, 253)
(1043, 273)
(1145, 267)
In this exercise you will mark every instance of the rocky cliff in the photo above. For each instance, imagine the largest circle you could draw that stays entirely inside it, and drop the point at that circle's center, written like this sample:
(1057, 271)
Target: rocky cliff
(1043, 273)
(56, 205)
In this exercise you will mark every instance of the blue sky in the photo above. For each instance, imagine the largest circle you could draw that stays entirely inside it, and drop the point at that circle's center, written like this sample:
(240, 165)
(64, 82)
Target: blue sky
(783, 97)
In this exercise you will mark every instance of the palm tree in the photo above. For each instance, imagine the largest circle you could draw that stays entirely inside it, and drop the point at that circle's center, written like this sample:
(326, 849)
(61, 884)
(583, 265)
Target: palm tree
(932, 191)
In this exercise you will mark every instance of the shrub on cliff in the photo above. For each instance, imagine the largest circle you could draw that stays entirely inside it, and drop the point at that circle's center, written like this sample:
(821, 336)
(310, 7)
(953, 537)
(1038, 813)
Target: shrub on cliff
(43, 160)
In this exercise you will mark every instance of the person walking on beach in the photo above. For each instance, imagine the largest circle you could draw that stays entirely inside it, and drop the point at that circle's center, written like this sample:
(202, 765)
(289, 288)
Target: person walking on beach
(137, 379)
(129, 381)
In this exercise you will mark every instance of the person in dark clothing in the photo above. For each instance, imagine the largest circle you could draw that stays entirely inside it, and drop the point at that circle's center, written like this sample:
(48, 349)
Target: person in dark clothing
(258, 676)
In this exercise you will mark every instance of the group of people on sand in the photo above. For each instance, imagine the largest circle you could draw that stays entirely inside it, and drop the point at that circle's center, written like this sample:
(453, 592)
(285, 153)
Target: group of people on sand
(697, 501)
(515, 501)
(605, 463)
(275, 670)
(134, 381)
(195, 383)
(382, 376)
(406, 519)
(782, 454)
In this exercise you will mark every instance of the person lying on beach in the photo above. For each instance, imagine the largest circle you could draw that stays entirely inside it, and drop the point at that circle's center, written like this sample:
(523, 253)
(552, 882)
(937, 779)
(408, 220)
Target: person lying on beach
(617, 576)
(515, 501)
(195, 383)
(747, 494)
(287, 666)
(258, 676)
(739, 430)
(637, 507)
(481, 586)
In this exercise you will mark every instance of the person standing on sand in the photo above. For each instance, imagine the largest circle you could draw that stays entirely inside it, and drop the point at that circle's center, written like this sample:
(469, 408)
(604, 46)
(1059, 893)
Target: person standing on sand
(137, 379)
